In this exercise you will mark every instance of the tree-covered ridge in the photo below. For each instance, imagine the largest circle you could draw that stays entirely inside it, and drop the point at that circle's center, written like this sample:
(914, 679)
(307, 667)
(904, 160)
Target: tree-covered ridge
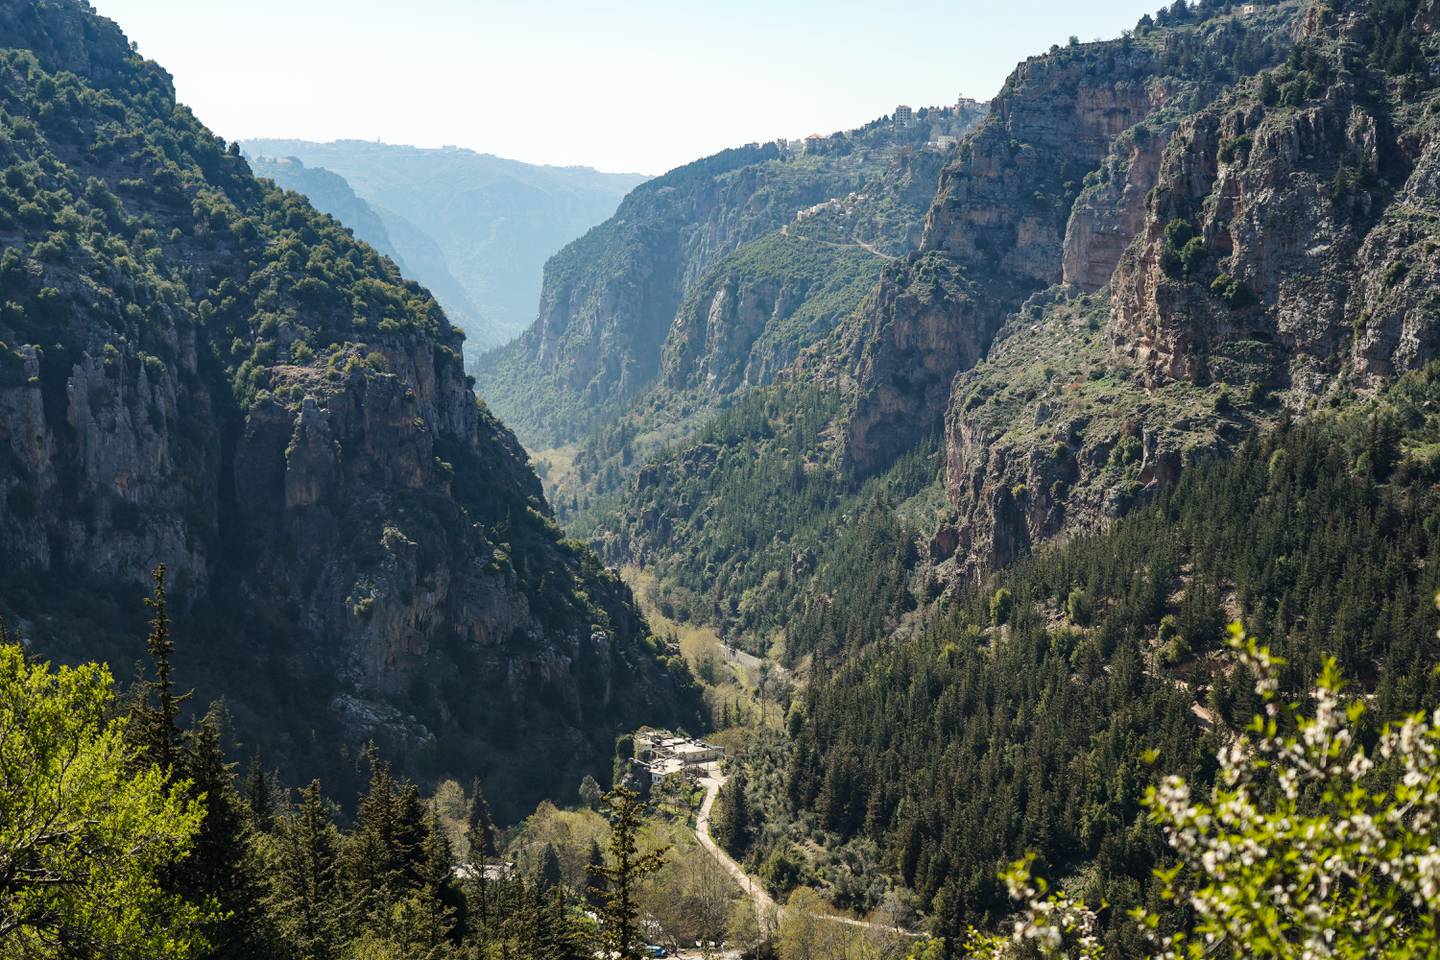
(610, 297)
(475, 229)
(160, 168)
(329, 193)
(1019, 718)
(129, 835)
(198, 368)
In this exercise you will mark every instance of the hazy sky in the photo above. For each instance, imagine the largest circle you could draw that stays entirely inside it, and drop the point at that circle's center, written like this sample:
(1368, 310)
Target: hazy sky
(639, 85)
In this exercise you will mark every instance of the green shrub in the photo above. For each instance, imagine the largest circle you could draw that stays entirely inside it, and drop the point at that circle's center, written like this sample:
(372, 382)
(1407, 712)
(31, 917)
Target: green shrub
(1001, 606)
(1232, 291)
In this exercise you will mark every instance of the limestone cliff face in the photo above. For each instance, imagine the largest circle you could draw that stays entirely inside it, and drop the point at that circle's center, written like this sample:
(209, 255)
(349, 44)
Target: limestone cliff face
(1041, 434)
(1282, 252)
(1110, 210)
(357, 549)
(924, 321)
(1309, 206)
(710, 342)
(609, 298)
(996, 225)
(102, 431)
(1006, 199)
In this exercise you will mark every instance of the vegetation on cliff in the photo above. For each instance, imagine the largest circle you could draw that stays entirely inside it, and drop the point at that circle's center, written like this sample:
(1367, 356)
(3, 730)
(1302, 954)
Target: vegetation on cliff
(198, 368)
(1002, 728)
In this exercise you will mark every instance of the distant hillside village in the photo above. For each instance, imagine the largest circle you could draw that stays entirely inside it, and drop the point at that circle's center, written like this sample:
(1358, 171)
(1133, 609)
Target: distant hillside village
(940, 120)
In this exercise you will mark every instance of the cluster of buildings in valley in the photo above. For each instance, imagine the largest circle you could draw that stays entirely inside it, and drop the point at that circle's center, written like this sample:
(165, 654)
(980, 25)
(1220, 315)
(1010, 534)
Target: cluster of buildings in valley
(660, 753)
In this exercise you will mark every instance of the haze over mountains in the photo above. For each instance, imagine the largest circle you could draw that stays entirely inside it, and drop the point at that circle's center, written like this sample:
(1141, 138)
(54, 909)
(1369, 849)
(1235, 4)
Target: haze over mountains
(919, 467)
(474, 228)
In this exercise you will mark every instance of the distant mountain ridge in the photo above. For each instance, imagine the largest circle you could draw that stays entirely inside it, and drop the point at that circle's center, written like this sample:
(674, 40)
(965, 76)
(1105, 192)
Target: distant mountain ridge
(626, 304)
(474, 228)
(330, 193)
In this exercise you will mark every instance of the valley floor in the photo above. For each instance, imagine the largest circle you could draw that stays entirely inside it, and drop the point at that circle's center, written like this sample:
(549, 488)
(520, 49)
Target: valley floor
(769, 912)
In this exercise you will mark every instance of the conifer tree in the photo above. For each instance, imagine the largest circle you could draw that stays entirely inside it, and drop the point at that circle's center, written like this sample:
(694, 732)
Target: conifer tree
(480, 832)
(373, 859)
(732, 821)
(428, 916)
(595, 886)
(550, 876)
(627, 867)
(480, 841)
(155, 715)
(304, 887)
(260, 795)
(557, 936)
(222, 868)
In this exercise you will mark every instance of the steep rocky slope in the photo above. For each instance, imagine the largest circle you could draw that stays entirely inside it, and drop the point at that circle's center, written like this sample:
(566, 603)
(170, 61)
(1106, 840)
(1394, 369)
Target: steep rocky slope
(752, 314)
(1043, 198)
(199, 369)
(611, 297)
(1283, 259)
(998, 228)
(476, 229)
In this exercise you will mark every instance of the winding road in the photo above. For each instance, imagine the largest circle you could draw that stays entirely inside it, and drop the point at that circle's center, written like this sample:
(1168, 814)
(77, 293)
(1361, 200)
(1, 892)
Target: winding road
(765, 906)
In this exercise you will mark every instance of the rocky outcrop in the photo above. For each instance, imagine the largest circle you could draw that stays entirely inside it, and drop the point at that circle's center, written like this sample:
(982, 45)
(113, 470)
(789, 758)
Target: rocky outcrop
(1006, 199)
(1110, 211)
(1285, 253)
(1292, 223)
(924, 321)
(357, 549)
(1051, 194)
(1048, 436)
(997, 221)
(609, 298)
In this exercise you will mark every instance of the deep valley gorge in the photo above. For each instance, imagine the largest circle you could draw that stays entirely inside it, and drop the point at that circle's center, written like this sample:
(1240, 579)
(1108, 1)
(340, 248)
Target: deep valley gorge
(1000, 529)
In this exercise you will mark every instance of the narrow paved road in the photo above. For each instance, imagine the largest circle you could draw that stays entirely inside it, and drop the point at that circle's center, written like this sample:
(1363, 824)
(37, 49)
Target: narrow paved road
(765, 905)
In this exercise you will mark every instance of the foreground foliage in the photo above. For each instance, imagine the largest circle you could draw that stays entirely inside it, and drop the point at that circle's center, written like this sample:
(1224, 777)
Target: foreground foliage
(87, 834)
(1317, 839)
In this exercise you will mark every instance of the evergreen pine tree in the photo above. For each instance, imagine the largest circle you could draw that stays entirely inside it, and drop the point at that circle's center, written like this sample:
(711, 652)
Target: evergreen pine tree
(481, 849)
(732, 820)
(428, 916)
(304, 892)
(550, 875)
(222, 867)
(480, 831)
(557, 936)
(260, 795)
(595, 887)
(155, 714)
(627, 867)
(372, 863)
